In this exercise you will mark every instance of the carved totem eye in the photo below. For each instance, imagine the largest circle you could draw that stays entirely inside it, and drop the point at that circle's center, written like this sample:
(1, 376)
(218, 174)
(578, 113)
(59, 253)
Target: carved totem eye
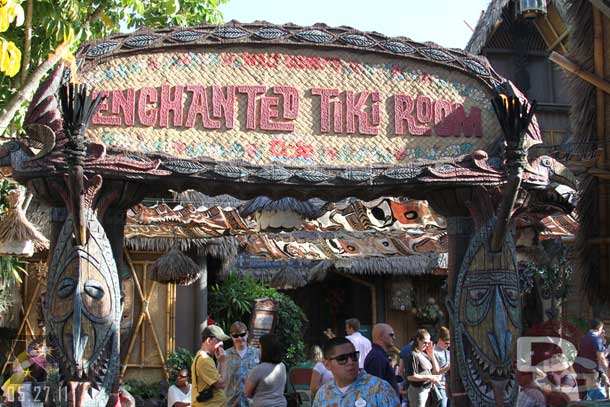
(66, 287)
(94, 289)
(478, 300)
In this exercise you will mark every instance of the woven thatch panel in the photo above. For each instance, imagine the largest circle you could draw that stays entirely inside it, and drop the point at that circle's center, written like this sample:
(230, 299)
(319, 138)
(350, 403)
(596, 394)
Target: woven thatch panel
(583, 122)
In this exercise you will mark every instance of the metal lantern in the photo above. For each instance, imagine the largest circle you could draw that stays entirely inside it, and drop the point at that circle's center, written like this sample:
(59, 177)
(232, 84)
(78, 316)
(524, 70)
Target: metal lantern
(531, 8)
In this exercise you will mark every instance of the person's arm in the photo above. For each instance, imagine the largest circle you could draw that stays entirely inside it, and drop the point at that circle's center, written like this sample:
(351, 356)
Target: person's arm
(126, 398)
(401, 368)
(208, 375)
(315, 383)
(414, 376)
(249, 389)
(432, 357)
(251, 382)
(385, 395)
(221, 357)
(603, 363)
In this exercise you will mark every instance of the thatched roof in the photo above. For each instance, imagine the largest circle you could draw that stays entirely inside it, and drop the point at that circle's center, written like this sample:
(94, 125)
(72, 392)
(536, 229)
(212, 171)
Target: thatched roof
(417, 265)
(174, 267)
(486, 26)
(309, 209)
(295, 273)
(583, 122)
(224, 249)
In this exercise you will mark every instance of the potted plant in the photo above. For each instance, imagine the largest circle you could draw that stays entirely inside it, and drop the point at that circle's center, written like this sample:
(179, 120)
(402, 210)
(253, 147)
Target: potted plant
(429, 313)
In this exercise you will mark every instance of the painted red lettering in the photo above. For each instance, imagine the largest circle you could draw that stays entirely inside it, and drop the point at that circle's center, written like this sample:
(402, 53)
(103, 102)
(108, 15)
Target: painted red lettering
(403, 108)
(290, 103)
(99, 118)
(223, 104)
(199, 107)
(124, 103)
(443, 122)
(354, 109)
(148, 96)
(171, 104)
(469, 126)
(325, 95)
(251, 91)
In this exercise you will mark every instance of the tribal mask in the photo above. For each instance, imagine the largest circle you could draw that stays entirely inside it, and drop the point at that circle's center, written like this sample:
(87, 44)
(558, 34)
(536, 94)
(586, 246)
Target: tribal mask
(486, 313)
(83, 312)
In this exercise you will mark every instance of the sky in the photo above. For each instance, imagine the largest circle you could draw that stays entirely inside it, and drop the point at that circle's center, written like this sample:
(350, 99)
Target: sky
(442, 21)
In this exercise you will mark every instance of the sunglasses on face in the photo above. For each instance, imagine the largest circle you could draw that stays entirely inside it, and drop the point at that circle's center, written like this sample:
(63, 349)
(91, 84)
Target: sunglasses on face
(240, 335)
(342, 359)
(183, 376)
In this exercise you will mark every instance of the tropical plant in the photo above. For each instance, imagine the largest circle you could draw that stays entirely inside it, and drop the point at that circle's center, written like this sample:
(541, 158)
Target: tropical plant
(179, 359)
(233, 299)
(142, 389)
(50, 28)
(429, 312)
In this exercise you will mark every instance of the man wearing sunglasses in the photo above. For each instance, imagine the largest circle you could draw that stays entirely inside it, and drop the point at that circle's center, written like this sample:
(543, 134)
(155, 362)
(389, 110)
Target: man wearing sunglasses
(351, 387)
(241, 359)
(377, 361)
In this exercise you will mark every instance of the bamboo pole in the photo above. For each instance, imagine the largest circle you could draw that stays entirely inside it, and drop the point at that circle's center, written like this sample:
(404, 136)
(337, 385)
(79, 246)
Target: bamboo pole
(571, 67)
(21, 327)
(167, 317)
(558, 41)
(146, 315)
(134, 335)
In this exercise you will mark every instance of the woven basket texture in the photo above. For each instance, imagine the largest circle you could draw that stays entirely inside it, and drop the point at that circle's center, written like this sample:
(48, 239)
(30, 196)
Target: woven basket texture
(339, 70)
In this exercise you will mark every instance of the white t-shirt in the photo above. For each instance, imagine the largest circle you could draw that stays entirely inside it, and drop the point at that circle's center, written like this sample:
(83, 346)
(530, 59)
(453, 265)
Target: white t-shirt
(325, 374)
(174, 394)
(362, 345)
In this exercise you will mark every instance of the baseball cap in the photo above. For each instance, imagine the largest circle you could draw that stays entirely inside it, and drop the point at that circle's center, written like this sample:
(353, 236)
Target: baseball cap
(214, 331)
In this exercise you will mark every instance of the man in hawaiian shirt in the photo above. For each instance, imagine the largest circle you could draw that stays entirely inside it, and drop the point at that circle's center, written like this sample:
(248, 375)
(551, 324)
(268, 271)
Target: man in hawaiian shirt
(241, 358)
(351, 387)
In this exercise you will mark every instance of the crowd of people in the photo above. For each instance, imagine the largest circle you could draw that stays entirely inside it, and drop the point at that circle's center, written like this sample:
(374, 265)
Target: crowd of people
(348, 371)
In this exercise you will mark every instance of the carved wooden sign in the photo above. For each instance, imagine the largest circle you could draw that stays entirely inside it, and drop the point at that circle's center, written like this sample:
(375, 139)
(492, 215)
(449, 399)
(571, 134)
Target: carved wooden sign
(288, 95)
(263, 320)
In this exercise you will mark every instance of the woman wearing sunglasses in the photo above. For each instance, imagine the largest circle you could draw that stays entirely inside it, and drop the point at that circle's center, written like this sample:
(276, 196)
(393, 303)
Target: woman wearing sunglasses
(241, 359)
(422, 370)
(267, 381)
(179, 394)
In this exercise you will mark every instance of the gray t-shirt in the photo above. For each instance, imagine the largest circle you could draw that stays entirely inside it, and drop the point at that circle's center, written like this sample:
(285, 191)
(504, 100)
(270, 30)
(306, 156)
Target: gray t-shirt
(269, 380)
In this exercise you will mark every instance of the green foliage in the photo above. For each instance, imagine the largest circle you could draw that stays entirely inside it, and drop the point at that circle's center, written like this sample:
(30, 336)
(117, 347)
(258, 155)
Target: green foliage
(55, 20)
(179, 359)
(233, 300)
(143, 390)
(556, 277)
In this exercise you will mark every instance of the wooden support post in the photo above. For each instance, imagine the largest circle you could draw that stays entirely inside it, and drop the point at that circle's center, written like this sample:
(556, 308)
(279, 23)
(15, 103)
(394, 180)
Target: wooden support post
(201, 301)
(459, 233)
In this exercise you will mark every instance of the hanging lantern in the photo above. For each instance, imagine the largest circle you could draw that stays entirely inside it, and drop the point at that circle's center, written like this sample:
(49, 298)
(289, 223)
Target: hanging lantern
(531, 8)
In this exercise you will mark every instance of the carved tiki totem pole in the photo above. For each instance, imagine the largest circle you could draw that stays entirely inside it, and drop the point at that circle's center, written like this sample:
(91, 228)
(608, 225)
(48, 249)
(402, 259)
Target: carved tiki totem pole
(83, 304)
(486, 306)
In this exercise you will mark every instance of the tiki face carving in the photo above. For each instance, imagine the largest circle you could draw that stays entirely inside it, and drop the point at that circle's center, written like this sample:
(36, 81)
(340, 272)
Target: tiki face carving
(83, 307)
(487, 307)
